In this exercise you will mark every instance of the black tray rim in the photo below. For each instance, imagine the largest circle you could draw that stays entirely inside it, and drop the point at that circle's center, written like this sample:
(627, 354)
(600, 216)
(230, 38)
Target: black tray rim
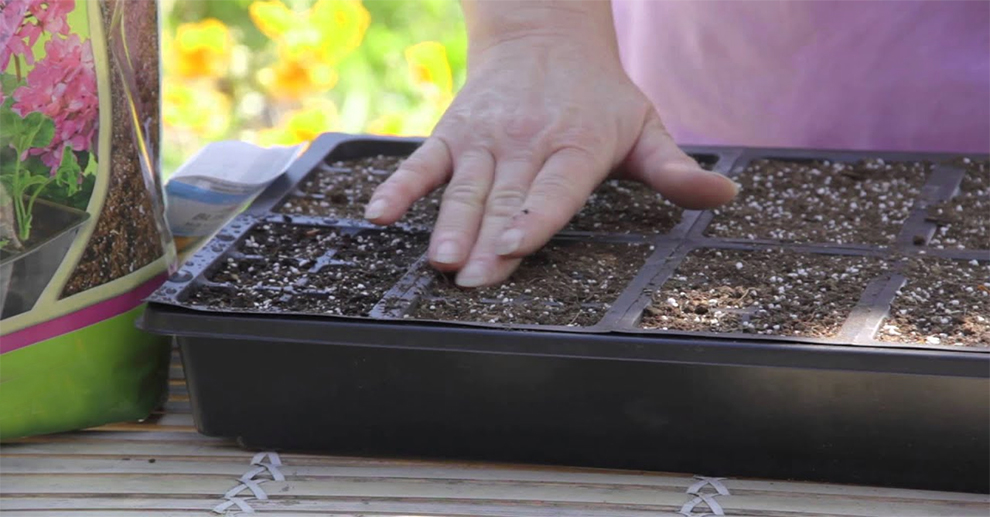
(669, 348)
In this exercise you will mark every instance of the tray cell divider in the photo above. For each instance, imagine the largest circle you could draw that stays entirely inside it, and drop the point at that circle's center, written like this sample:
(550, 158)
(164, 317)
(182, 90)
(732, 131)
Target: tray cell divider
(652, 279)
(865, 320)
(616, 315)
(400, 299)
(942, 184)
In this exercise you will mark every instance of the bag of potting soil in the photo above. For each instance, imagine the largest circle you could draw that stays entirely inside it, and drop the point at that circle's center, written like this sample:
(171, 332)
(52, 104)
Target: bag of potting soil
(83, 237)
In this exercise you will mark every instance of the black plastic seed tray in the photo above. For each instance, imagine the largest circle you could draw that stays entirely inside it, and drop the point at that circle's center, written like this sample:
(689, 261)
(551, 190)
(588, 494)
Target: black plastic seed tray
(710, 344)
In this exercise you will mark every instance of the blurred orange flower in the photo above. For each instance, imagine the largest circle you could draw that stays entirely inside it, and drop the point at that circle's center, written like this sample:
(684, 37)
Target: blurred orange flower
(201, 50)
(310, 43)
(291, 79)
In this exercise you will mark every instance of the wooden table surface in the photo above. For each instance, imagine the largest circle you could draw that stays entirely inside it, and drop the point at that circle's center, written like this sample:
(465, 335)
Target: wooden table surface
(163, 467)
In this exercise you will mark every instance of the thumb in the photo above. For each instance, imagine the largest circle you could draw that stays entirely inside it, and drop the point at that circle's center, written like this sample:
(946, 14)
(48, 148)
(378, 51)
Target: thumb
(657, 161)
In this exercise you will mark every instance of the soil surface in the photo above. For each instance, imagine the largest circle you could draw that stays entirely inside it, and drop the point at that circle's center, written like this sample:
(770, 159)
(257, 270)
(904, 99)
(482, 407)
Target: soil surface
(343, 191)
(281, 268)
(626, 207)
(821, 201)
(620, 206)
(943, 302)
(964, 220)
(127, 236)
(565, 284)
(773, 292)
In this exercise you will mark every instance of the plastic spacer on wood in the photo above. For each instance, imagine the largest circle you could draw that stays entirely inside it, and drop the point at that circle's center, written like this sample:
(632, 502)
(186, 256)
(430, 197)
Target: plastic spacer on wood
(703, 481)
(241, 505)
(688, 508)
(273, 459)
(251, 485)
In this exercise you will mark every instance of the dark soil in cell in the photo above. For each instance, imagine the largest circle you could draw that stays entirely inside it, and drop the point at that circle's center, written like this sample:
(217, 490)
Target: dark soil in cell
(763, 292)
(821, 201)
(565, 284)
(343, 192)
(254, 299)
(964, 220)
(943, 302)
(322, 270)
(619, 206)
(626, 207)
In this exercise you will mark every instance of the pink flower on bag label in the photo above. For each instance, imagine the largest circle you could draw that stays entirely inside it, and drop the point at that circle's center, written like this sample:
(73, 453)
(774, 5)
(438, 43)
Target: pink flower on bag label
(22, 22)
(52, 15)
(11, 38)
(63, 87)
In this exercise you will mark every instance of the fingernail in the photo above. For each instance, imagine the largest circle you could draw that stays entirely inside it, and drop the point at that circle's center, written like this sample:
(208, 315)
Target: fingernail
(448, 252)
(474, 275)
(735, 185)
(509, 242)
(376, 209)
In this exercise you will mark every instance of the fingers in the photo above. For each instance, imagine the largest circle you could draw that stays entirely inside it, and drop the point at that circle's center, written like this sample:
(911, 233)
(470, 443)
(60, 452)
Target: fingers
(657, 161)
(560, 189)
(425, 170)
(461, 210)
(513, 177)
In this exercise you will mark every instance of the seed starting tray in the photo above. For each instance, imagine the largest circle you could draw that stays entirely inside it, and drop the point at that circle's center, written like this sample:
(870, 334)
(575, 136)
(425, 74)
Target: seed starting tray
(843, 408)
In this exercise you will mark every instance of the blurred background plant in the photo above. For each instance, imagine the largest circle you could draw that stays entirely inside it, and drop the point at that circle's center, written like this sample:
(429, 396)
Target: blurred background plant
(283, 71)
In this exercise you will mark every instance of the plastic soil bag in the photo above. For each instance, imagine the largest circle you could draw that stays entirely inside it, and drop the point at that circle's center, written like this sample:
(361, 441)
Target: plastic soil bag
(82, 231)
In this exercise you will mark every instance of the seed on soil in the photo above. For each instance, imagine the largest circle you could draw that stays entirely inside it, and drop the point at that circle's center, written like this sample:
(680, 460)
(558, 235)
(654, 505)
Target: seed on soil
(820, 201)
(282, 268)
(564, 284)
(342, 191)
(770, 292)
(964, 221)
(943, 302)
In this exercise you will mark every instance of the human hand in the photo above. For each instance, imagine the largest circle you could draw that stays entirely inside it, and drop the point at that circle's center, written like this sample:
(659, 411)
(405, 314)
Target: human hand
(543, 118)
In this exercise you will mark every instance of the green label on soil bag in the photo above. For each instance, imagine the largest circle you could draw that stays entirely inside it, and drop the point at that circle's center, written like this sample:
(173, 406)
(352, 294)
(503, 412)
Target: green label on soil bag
(106, 372)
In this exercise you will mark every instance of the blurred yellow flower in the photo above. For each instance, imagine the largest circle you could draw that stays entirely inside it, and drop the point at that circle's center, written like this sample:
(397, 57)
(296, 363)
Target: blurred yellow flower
(325, 33)
(304, 125)
(392, 124)
(203, 111)
(310, 43)
(430, 70)
(201, 50)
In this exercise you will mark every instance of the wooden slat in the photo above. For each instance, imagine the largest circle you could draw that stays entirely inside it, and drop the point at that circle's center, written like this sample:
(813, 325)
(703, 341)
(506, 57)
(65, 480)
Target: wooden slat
(116, 434)
(106, 455)
(385, 490)
(327, 467)
(311, 507)
(156, 421)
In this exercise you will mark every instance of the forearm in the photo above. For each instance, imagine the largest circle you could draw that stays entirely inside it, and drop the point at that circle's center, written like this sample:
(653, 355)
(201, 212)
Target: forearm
(494, 22)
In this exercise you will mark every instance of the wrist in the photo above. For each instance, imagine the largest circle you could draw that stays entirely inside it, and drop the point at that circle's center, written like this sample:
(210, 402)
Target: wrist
(584, 25)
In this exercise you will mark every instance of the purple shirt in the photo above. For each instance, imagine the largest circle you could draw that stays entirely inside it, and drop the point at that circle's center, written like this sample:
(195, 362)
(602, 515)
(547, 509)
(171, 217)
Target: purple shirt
(878, 75)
